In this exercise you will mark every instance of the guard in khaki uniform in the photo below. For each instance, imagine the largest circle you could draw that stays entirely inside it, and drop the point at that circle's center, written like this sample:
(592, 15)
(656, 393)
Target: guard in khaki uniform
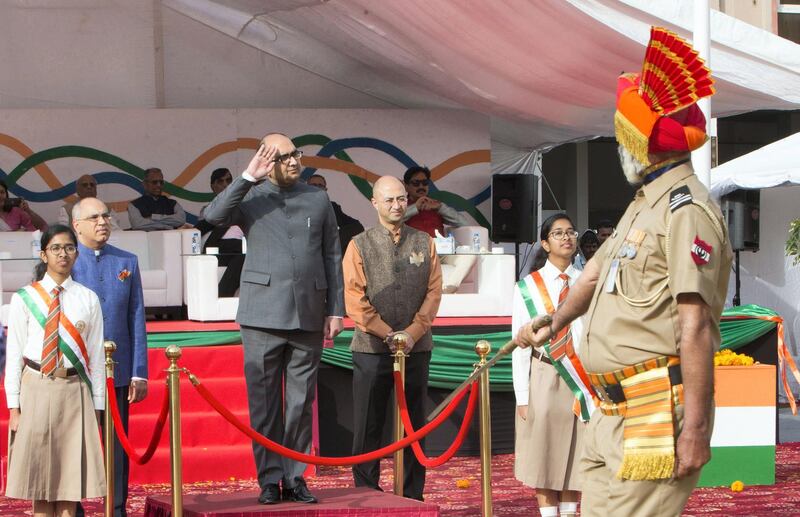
(654, 293)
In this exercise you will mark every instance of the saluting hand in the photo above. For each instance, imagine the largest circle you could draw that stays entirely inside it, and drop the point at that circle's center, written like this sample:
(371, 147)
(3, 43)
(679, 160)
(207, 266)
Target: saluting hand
(262, 162)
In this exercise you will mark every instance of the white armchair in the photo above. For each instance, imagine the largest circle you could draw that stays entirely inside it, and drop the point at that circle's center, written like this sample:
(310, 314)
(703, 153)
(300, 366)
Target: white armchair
(160, 262)
(488, 288)
(16, 266)
(203, 302)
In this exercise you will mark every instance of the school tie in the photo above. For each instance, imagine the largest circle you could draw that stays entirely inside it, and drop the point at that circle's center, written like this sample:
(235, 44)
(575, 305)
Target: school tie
(50, 348)
(564, 288)
(558, 347)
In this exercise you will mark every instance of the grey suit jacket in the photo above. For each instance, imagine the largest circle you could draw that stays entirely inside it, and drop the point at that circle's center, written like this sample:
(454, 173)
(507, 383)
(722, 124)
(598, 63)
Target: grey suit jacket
(292, 276)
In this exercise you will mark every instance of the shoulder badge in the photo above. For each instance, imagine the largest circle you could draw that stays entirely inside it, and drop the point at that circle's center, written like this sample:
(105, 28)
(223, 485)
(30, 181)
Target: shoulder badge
(701, 251)
(679, 197)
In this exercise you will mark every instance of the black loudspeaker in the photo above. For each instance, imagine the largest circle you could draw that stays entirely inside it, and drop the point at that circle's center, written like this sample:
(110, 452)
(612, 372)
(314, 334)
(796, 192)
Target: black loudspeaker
(741, 210)
(514, 208)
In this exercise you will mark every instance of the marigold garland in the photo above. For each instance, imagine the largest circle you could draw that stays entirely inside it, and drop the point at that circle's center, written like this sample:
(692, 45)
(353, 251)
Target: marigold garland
(737, 486)
(728, 357)
(462, 483)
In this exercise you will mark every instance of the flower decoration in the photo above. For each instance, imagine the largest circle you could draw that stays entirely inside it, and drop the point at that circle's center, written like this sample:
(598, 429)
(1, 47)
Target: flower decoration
(462, 483)
(123, 275)
(728, 357)
(737, 486)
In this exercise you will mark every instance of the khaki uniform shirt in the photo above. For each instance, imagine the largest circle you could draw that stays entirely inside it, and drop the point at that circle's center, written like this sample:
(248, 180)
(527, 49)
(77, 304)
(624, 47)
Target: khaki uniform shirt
(679, 247)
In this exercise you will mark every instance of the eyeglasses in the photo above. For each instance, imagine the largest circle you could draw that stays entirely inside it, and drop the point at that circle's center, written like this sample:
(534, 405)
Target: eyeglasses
(284, 158)
(419, 183)
(95, 218)
(56, 249)
(560, 234)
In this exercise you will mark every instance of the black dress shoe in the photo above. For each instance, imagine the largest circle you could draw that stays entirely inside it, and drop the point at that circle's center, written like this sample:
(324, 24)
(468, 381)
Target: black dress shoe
(299, 494)
(270, 495)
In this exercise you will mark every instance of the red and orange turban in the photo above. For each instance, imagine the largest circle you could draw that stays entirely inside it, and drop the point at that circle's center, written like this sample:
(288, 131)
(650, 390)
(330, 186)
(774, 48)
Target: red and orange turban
(656, 110)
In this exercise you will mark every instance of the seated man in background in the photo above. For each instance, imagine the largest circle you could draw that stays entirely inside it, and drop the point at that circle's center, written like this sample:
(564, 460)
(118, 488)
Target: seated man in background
(428, 215)
(85, 187)
(349, 227)
(155, 211)
(227, 238)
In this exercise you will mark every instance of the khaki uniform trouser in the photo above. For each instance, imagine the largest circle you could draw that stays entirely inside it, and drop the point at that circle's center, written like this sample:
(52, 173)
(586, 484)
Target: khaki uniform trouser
(605, 495)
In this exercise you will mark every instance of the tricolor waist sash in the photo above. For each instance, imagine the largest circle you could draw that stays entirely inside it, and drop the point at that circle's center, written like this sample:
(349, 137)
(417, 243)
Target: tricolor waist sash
(562, 354)
(70, 342)
(645, 396)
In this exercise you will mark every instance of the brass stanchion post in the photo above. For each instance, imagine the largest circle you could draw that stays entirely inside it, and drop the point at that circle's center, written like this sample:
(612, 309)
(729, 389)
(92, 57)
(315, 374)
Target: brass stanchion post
(482, 348)
(173, 353)
(108, 431)
(399, 341)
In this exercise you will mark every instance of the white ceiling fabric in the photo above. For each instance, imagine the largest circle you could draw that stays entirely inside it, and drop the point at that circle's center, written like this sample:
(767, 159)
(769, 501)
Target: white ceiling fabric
(544, 71)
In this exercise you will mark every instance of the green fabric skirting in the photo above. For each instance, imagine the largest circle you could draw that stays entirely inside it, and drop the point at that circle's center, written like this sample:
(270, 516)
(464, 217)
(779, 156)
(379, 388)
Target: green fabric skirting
(454, 356)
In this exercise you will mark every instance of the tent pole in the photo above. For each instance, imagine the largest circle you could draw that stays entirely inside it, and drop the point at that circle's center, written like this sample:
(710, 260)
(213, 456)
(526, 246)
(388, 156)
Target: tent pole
(701, 158)
(737, 295)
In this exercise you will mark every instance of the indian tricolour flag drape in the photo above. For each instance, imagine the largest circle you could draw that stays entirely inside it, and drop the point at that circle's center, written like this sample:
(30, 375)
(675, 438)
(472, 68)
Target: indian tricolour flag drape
(743, 441)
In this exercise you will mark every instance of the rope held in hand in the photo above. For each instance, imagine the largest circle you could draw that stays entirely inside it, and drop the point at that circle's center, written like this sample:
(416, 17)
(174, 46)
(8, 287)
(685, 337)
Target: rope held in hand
(123, 439)
(324, 460)
(409, 427)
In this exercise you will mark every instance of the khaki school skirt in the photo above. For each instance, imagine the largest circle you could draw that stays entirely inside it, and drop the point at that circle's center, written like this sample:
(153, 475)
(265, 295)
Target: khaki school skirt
(55, 454)
(548, 444)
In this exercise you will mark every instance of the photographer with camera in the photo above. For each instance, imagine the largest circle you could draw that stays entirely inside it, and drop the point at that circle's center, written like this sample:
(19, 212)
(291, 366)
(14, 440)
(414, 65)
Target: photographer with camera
(16, 215)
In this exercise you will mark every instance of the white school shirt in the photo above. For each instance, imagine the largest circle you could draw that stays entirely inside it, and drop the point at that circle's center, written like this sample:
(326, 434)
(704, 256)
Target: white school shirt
(521, 357)
(26, 337)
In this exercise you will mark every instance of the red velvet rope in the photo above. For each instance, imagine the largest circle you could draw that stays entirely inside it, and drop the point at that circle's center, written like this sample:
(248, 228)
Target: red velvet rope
(126, 444)
(323, 460)
(462, 431)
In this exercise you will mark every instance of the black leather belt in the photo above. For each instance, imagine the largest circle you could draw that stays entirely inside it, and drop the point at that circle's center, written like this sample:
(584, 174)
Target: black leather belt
(616, 395)
(539, 354)
(33, 365)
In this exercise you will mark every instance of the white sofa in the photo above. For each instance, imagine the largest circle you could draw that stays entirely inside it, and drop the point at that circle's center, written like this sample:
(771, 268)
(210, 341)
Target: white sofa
(486, 291)
(160, 257)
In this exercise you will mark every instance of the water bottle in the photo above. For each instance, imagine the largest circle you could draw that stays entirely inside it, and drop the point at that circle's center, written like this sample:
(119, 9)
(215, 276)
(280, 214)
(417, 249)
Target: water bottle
(476, 242)
(36, 243)
(195, 243)
(244, 246)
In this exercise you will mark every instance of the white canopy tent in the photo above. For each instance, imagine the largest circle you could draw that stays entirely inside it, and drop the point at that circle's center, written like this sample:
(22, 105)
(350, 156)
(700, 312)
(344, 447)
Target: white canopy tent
(768, 277)
(544, 70)
(774, 165)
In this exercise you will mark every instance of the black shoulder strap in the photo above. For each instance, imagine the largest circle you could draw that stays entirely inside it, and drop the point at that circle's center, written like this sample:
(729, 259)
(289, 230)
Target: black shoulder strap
(679, 197)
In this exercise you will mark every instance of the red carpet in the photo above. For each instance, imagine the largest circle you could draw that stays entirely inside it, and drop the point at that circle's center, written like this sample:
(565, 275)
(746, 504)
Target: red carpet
(206, 437)
(510, 497)
(332, 502)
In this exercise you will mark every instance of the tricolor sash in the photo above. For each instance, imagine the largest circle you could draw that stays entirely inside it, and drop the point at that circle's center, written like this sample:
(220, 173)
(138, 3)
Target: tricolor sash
(70, 342)
(562, 354)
